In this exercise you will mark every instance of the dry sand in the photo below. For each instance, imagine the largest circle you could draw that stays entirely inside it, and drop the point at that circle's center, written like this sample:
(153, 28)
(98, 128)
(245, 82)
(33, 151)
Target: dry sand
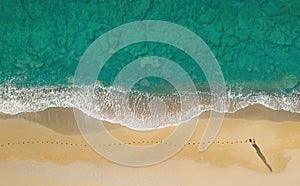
(46, 149)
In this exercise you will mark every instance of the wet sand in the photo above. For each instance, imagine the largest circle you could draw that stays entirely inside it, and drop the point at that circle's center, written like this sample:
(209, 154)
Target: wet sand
(47, 148)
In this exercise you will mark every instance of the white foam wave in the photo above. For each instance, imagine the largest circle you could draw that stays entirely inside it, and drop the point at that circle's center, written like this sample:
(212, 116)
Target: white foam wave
(136, 110)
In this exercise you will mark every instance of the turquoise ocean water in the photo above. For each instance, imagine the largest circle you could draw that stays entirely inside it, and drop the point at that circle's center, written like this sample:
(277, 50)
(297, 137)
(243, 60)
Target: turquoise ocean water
(256, 43)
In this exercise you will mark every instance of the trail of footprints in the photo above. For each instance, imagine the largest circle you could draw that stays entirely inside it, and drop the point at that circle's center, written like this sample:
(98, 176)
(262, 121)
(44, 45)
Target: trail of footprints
(8, 144)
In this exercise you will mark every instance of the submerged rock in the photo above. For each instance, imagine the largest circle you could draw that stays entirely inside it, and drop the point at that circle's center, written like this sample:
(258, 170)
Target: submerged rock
(231, 41)
(251, 49)
(295, 7)
(227, 57)
(70, 79)
(141, 9)
(277, 37)
(216, 39)
(208, 17)
(34, 65)
(39, 65)
(290, 82)
(297, 43)
(145, 82)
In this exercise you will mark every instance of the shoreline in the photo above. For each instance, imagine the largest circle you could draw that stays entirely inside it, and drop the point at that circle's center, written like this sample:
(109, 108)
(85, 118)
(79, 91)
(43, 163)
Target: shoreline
(54, 117)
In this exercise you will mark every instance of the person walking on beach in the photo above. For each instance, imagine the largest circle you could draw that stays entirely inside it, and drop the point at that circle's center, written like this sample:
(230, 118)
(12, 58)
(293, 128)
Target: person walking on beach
(259, 153)
(252, 141)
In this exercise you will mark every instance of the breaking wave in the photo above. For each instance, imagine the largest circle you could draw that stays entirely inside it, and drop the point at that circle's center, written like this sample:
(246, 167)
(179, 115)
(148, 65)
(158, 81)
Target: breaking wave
(134, 109)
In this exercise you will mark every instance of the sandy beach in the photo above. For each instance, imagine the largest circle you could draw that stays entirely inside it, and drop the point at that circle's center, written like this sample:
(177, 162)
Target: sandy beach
(159, 69)
(40, 149)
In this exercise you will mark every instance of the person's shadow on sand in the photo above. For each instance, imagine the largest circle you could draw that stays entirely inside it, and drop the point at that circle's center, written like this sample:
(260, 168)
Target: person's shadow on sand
(262, 157)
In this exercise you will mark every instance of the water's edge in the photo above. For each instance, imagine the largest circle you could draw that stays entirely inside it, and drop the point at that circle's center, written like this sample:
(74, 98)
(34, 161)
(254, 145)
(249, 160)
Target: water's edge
(137, 111)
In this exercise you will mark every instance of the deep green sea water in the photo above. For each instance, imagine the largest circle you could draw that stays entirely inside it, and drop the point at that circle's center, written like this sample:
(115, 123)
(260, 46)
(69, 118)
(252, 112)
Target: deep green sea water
(256, 43)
